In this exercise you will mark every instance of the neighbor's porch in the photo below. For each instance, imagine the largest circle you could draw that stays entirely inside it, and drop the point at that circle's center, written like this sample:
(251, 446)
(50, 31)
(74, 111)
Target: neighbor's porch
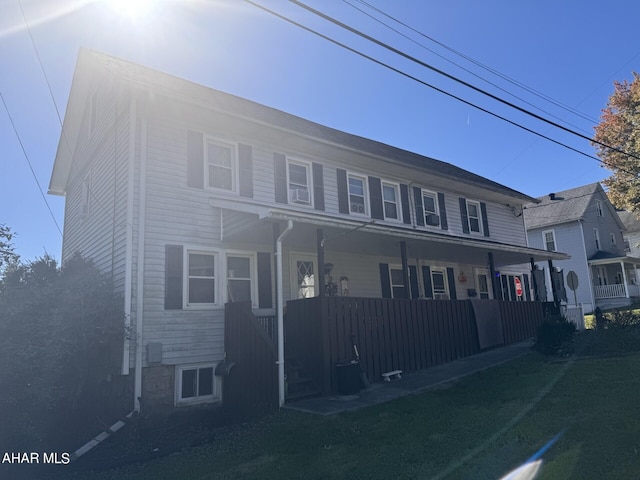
(615, 280)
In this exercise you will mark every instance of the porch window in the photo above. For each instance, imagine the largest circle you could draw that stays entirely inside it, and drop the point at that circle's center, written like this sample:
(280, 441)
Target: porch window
(599, 208)
(221, 165)
(549, 238)
(483, 286)
(439, 282)
(201, 278)
(473, 212)
(357, 194)
(596, 237)
(195, 384)
(299, 184)
(430, 205)
(239, 285)
(398, 289)
(390, 201)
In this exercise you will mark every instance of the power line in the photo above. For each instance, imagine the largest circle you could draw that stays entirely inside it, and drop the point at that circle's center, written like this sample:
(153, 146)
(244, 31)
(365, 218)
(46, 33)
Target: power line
(456, 79)
(411, 77)
(13, 125)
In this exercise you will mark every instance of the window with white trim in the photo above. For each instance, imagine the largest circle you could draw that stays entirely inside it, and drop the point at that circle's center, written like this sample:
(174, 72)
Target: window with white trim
(201, 278)
(549, 239)
(357, 194)
(473, 214)
(613, 238)
(398, 288)
(430, 205)
(299, 182)
(196, 384)
(439, 281)
(390, 202)
(599, 208)
(241, 278)
(221, 165)
(596, 237)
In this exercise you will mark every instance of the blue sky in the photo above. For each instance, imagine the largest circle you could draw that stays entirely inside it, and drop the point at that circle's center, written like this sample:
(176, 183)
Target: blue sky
(569, 51)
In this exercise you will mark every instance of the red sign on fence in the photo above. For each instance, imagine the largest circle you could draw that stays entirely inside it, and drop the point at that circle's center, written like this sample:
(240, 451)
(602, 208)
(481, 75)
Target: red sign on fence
(518, 286)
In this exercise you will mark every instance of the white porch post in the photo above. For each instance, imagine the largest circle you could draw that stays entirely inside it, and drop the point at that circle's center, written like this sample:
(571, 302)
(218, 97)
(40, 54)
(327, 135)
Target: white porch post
(624, 278)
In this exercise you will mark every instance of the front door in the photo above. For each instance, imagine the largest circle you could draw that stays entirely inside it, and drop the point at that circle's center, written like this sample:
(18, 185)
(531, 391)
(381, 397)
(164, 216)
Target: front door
(304, 275)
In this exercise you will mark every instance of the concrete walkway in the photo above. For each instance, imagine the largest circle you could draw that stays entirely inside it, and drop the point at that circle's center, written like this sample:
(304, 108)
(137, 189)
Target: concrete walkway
(411, 383)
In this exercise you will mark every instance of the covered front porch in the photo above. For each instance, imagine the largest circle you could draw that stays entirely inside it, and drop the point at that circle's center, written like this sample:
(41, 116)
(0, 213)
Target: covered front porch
(615, 280)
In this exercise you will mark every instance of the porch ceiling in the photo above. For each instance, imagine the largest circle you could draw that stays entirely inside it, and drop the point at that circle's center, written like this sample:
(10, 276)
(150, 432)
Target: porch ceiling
(373, 239)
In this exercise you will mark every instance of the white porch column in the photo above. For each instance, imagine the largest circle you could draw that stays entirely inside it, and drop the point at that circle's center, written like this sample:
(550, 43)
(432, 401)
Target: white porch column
(624, 278)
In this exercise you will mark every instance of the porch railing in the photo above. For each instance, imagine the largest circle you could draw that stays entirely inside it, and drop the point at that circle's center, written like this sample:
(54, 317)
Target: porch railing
(609, 291)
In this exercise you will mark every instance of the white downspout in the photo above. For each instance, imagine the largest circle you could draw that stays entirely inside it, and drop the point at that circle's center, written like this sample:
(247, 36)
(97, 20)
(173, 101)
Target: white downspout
(280, 361)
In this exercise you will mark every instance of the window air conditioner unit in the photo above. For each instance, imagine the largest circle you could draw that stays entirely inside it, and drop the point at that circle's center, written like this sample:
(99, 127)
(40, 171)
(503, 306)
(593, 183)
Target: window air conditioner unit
(299, 195)
(432, 219)
(357, 208)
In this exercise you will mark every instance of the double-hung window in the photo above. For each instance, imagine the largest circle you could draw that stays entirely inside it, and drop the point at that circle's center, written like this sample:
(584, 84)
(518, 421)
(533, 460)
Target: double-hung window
(195, 384)
(201, 278)
(599, 208)
(221, 165)
(357, 194)
(549, 238)
(390, 201)
(299, 176)
(239, 273)
(398, 288)
(473, 213)
(430, 205)
(439, 282)
(596, 238)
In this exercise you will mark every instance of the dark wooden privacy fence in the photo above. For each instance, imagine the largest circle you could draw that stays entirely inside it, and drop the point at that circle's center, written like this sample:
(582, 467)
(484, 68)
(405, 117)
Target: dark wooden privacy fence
(252, 385)
(392, 334)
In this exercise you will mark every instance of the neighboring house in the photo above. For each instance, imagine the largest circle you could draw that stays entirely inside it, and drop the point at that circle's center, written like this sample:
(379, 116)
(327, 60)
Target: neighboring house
(583, 223)
(181, 191)
(631, 233)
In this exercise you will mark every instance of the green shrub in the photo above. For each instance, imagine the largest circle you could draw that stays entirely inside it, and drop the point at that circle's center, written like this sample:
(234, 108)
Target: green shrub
(555, 335)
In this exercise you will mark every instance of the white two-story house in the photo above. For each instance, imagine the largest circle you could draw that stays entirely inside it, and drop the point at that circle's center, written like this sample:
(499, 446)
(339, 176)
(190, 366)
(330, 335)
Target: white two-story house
(582, 222)
(181, 192)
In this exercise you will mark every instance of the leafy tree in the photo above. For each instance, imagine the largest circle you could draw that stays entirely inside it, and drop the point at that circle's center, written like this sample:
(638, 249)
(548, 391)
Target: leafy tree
(619, 128)
(7, 252)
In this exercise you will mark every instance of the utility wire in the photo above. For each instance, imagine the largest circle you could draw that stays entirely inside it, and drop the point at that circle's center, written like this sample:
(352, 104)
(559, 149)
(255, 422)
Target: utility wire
(481, 65)
(455, 79)
(35, 177)
(470, 72)
(411, 77)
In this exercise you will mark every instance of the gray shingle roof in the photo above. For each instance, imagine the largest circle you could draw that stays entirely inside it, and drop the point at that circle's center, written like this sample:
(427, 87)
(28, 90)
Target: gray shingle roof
(630, 221)
(568, 205)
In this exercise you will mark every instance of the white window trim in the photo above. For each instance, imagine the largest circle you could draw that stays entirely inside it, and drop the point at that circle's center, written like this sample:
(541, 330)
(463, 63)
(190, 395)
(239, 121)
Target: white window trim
(442, 270)
(596, 237)
(480, 226)
(253, 271)
(437, 207)
(600, 208)
(365, 191)
(185, 278)
(613, 238)
(407, 287)
(234, 163)
(544, 240)
(309, 168)
(217, 387)
(396, 187)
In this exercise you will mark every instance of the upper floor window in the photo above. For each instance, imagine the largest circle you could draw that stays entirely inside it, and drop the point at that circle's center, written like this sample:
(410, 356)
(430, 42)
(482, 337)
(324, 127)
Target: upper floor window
(221, 165)
(357, 194)
(613, 238)
(299, 175)
(473, 213)
(596, 237)
(201, 278)
(599, 208)
(390, 199)
(430, 205)
(549, 238)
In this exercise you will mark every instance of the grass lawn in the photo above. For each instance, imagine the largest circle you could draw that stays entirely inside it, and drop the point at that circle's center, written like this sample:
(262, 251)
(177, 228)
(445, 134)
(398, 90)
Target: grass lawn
(480, 427)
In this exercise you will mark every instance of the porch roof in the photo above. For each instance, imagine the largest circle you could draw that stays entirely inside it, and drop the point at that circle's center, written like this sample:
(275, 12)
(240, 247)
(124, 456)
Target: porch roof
(602, 258)
(357, 236)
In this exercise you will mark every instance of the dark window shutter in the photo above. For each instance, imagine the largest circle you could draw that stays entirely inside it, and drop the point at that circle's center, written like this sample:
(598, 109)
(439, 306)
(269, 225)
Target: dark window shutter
(413, 281)
(464, 216)
(443, 212)
(280, 177)
(451, 279)
(195, 159)
(485, 219)
(318, 186)
(404, 197)
(343, 191)
(375, 198)
(527, 287)
(417, 201)
(426, 278)
(173, 277)
(245, 160)
(385, 281)
(264, 280)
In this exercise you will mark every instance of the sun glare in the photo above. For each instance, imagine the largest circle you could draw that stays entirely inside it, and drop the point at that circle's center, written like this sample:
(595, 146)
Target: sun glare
(133, 9)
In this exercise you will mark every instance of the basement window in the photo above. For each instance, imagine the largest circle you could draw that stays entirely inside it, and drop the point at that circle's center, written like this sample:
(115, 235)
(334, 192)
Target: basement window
(196, 384)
